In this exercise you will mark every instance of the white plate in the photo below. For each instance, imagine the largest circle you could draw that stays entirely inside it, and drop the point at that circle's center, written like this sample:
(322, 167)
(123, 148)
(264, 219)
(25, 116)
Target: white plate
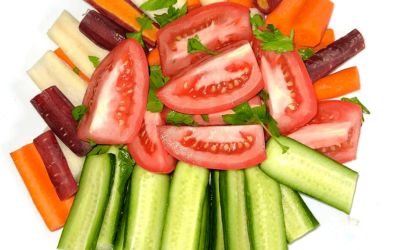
(374, 219)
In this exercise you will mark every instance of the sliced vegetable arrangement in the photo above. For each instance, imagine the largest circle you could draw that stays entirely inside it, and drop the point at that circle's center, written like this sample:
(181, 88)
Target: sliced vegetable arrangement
(165, 108)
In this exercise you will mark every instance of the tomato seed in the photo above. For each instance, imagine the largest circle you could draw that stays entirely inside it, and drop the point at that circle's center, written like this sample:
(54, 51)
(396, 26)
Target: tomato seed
(246, 144)
(213, 148)
(250, 138)
(236, 82)
(289, 84)
(223, 90)
(291, 106)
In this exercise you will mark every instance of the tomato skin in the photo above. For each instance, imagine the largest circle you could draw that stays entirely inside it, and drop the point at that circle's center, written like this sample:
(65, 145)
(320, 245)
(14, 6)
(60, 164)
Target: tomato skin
(215, 147)
(334, 131)
(231, 24)
(147, 149)
(116, 96)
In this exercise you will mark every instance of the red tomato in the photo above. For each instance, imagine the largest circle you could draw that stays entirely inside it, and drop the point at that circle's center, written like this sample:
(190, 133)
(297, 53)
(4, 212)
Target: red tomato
(147, 149)
(218, 147)
(116, 96)
(334, 131)
(216, 25)
(214, 84)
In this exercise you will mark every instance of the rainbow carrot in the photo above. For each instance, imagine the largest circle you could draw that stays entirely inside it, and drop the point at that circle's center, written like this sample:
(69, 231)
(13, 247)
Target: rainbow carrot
(65, 58)
(154, 57)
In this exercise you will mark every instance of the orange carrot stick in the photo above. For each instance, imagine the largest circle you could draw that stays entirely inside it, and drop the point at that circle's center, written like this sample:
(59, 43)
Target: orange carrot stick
(33, 172)
(65, 58)
(154, 57)
(312, 22)
(338, 84)
(284, 16)
(328, 38)
(245, 3)
(193, 2)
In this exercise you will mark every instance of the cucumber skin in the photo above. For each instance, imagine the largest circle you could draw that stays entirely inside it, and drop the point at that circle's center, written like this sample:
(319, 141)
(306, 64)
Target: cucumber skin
(233, 207)
(102, 167)
(217, 230)
(320, 178)
(298, 218)
(120, 238)
(188, 188)
(204, 243)
(113, 211)
(147, 208)
(265, 212)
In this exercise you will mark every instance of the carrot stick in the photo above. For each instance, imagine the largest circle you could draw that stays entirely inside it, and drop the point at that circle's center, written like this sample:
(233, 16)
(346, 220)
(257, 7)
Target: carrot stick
(312, 22)
(154, 57)
(193, 2)
(328, 38)
(284, 16)
(245, 3)
(33, 172)
(65, 58)
(338, 84)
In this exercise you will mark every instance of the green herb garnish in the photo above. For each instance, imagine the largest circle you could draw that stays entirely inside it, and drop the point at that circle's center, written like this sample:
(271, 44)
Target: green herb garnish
(194, 45)
(356, 101)
(205, 118)
(157, 80)
(78, 112)
(177, 118)
(99, 150)
(171, 15)
(157, 4)
(95, 60)
(256, 21)
(306, 53)
(275, 41)
(264, 95)
(146, 24)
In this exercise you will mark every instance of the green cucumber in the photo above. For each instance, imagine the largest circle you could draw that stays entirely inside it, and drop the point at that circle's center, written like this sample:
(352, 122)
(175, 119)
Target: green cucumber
(112, 215)
(265, 212)
(298, 218)
(119, 239)
(82, 228)
(204, 243)
(147, 208)
(307, 171)
(233, 207)
(185, 206)
(217, 230)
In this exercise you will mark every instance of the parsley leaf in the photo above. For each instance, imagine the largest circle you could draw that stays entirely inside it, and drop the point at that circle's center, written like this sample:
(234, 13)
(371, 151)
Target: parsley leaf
(256, 21)
(356, 101)
(306, 53)
(92, 143)
(245, 115)
(95, 60)
(76, 70)
(146, 24)
(99, 150)
(157, 4)
(78, 112)
(264, 95)
(275, 41)
(87, 11)
(157, 80)
(177, 118)
(205, 118)
(194, 45)
(126, 164)
(171, 15)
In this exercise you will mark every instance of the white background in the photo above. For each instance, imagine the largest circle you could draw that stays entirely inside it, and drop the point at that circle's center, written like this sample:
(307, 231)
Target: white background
(374, 220)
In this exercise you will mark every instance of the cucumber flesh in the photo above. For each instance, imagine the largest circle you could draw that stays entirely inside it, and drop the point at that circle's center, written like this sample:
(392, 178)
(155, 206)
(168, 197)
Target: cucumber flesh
(119, 239)
(113, 212)
(307, 171)
(265, 212)
(186, 197)
(82, 228)
(298, 218)
(204, 243)
(148, 199)
(233, 207)
(217, 230)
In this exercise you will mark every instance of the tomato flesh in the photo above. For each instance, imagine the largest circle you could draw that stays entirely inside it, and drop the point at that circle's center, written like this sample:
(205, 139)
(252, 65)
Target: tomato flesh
(334, 131)
(216, 25)
(147, 149)
(215, 147)
(116, 96)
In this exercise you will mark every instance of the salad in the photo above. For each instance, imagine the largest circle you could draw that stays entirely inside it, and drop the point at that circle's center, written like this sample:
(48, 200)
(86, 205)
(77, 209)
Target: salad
(249, 77)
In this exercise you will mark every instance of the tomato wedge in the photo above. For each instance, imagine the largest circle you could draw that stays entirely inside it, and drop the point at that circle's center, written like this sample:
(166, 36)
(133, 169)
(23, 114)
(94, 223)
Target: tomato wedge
(217, 25)
(147, 149)
(334, 131)
(116, 96)
(216, 147)
(214, 84)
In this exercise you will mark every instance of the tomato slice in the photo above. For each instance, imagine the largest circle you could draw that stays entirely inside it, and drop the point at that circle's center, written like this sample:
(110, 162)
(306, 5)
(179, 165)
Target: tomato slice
(216, 147)
(334, 131)
(116, 96)
(215, 84)
(147, 149)
(216, 25)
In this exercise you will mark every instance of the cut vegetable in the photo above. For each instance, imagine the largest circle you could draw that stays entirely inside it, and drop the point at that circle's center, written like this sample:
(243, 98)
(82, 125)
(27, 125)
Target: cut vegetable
(185, 206)
(298, 218)
(312, 21)
(102, 31)
(329, 59)
(151, 13)
(338, 84)
(265, 212)
(147, 208)
(56, 165)
(208, 2)
(65, 33)
(204, 243)
(153, 58)
(328, 38)
(56, 110)
(217, 230)
(266, 6)
(120, 238)
(34, 174)
(317, 176)
(82, 228)
(50, 70)
(233, 207)
(245, 3)
(65, 58)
